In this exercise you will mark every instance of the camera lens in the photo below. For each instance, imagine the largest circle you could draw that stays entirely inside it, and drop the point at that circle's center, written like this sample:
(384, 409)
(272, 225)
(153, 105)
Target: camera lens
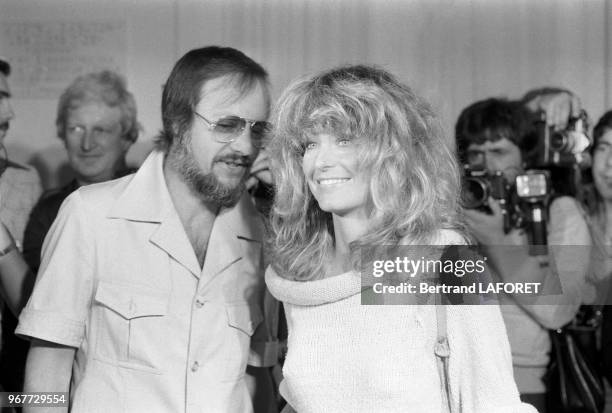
(474, 193)
(559, 141)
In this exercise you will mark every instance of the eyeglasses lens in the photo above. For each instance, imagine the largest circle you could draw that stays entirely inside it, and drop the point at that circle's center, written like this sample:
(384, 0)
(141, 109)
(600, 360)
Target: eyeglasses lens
(232, 126)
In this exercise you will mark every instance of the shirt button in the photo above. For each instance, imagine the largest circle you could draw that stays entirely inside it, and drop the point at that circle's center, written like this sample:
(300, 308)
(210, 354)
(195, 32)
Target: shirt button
(199, 303)
(195, 366)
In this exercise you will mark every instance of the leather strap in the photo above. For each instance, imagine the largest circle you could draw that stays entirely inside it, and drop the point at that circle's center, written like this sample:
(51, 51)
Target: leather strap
(442, 351)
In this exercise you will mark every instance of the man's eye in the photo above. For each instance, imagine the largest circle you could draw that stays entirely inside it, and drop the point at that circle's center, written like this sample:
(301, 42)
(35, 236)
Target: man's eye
(602, 148)
(310, 145)
(228, 125)
(76, 129)
(474, 156)
(101, 131)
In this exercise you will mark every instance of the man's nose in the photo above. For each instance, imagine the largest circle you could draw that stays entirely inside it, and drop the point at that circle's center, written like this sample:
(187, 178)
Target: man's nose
(244, 142)
(489, 163)
(87, 141)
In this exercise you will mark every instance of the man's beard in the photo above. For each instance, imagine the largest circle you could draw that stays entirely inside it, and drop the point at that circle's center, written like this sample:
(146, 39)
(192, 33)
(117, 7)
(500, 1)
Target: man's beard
(4, 126)
(206, 185)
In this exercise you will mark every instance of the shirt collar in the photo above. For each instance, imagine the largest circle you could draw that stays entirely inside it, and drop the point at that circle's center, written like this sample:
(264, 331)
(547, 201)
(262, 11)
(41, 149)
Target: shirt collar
(146, 199)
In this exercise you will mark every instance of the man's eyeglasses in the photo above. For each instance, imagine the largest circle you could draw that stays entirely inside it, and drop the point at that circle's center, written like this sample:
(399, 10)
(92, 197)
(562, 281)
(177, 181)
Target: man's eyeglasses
(228, 129)
(98, 132)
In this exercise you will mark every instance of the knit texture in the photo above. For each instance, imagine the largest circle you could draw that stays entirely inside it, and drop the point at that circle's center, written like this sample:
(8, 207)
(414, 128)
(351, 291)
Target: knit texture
(348, 357)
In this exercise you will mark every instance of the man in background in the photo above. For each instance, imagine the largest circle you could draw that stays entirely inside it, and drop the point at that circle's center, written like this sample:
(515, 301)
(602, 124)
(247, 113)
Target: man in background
(97, 122)
(497, 135)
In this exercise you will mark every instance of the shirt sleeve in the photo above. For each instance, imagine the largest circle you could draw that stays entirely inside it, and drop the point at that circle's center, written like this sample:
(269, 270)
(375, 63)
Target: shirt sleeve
(480, 364)
(60, 303)
(569, 243)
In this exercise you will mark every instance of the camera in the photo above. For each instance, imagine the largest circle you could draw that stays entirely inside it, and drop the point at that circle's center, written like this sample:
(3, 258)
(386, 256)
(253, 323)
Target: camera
(533, 190)
(564, 154)
(479, 185)
(523, 203)
(562, 148)
(533, 186)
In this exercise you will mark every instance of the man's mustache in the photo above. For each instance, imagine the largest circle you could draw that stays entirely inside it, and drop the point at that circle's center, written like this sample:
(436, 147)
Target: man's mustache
(243, 160)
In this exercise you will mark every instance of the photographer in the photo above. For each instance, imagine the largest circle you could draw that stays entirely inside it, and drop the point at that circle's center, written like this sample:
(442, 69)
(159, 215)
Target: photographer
(498, 135)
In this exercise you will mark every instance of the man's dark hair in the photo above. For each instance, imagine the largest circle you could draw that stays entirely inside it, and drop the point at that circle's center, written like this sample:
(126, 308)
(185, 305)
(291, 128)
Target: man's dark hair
(5, 67)
(182, 90)
(493, 119)
(604, 124)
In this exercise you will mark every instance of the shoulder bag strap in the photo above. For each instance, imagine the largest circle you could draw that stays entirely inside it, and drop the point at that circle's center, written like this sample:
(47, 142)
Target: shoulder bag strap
(442, 351)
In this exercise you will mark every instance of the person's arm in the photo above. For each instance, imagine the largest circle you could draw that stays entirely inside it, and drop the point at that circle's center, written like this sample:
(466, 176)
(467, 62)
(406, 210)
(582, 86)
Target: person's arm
(56, 315)
(16, 279)
(48, 369)
(504, 251)
(558, 104)
(480, 363)
(259, 383)
(566, 265)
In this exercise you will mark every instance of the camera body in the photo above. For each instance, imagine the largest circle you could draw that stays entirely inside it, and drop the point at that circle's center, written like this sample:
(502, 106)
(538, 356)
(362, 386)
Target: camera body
(564, 148)
(479, 185)
(556, 165)
(518, 200)
(564, 154)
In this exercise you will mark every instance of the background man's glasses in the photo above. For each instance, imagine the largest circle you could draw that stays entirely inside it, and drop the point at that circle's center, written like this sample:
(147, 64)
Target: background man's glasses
(228, 129)
(78, 132)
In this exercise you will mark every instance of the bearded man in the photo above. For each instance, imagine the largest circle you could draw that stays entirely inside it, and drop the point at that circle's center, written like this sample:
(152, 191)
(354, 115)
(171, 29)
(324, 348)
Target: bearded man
(149, 295)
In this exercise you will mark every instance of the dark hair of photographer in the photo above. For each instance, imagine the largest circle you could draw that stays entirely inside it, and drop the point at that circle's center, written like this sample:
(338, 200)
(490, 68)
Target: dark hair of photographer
(600, 228)
(594, 199)
(603, 124)
(493, 119)
(5, 67)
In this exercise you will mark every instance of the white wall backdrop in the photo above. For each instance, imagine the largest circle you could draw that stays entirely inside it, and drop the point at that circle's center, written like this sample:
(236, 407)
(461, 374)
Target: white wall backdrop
(451, 51)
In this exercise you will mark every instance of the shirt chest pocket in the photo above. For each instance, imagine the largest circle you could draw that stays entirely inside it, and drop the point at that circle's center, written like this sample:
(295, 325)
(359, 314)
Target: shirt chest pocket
(242, 321)
(129, 327)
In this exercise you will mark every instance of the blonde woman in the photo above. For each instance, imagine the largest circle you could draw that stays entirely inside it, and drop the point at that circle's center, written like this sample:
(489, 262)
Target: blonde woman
(359, 160)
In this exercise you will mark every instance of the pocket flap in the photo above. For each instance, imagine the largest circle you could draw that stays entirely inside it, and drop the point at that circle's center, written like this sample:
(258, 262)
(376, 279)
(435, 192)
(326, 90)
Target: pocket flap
(130, 303)
(244, 317)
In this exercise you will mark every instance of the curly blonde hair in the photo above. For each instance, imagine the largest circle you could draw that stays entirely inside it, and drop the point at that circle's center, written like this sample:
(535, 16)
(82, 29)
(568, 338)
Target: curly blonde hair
(414, 175)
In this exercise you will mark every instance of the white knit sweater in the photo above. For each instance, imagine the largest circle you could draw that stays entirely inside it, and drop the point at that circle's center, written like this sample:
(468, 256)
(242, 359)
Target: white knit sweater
(348, 357)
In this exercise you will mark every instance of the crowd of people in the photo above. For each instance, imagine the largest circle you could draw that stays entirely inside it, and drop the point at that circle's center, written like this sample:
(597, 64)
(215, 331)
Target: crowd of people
(144, 289)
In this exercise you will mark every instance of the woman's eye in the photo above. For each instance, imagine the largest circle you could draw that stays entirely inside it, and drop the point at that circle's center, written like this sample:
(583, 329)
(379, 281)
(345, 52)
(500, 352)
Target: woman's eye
(344, 142)
(310, 145)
